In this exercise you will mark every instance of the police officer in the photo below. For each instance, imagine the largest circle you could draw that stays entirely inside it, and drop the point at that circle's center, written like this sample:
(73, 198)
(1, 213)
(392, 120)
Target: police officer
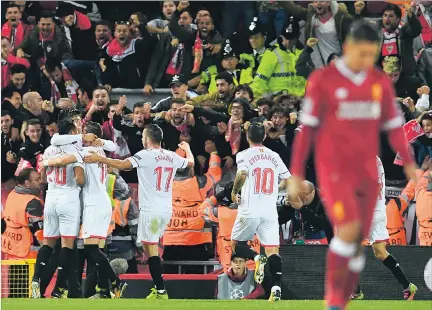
(276, 73)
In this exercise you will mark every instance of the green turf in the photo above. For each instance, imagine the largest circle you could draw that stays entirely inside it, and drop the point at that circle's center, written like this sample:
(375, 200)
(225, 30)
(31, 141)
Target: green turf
(131, 304)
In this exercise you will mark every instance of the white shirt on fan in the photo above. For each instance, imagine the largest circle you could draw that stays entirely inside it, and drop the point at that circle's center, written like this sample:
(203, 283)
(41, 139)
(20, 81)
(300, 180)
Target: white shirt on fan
(156, 169)
(259, 194)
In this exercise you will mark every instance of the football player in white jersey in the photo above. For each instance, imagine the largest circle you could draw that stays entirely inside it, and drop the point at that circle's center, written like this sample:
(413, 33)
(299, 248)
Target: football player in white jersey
(62, 212)
(378, 237)
(97, 209)
(258, 171)
(156, 168)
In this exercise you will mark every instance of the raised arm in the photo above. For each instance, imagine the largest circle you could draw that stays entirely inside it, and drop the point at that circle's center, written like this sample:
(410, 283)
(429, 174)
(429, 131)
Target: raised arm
(93, 157)
(61, 161)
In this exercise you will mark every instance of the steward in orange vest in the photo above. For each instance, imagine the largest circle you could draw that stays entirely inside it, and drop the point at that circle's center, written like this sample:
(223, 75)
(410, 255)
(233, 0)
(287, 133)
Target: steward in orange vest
(424, 205)
(188, 234)
(23, 214)
(124, 223)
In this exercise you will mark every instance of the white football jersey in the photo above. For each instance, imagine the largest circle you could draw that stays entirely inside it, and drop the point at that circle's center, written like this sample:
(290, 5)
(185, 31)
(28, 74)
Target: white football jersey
(62, 178)
(260, 191)
(156, 169)
(94, 189)
(381, 201)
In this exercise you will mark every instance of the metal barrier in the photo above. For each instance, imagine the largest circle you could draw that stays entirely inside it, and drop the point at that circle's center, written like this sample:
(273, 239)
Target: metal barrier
(137, 95)
(215, 264)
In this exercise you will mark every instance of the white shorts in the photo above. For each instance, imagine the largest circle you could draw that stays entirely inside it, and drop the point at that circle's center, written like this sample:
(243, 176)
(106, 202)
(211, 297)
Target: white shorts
(96, 220)
(267, 230)
(62, 214)
(151, 226)
(379, 232)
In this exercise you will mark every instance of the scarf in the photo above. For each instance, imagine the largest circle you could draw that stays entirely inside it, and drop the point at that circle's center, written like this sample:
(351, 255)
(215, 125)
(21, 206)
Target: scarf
(183, 127)
(176, 63)
(118, 52)
(70, 84)
(198, 54)
(233, 135)
(426, 22)
(390, 42)
(15, 35)
(82, 21)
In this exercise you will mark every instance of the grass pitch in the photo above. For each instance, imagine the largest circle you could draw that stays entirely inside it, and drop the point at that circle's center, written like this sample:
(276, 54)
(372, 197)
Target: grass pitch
(139, 304)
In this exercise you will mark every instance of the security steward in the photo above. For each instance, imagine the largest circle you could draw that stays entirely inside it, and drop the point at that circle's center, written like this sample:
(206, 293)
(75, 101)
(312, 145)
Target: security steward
(23, 215)
(250, 62)
(188, 234)
(277, 73)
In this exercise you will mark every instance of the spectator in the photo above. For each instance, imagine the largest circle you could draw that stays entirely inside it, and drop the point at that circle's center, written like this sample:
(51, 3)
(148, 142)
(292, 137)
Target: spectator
(8, 61)
(220, 99)
(179, 89)
(264, 105)
(423, 144)
(424, 65)
(51, 128)
(18, 79)
(32, 148)
(14, 29)
(66, 104)
(238, 281)
(161, 25)
(11, 101)
(61, 81)
(171, 54)
(45, 41)
(127, 60)
(243, 91)
(424, 14)
(103, 34)
(398, 37)
(272, 16)
(9, 149)
(328, 22)
(272, 78)
(79, 32)
(97, 110)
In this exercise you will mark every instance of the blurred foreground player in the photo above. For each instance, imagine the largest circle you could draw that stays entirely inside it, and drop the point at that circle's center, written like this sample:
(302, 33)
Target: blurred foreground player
(258, 171)
(345, 108)
(378, 237)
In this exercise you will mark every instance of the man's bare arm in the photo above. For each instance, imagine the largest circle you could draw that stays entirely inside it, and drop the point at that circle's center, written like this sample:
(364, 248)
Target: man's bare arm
(114, 163)
(60, 161)
(239, 181)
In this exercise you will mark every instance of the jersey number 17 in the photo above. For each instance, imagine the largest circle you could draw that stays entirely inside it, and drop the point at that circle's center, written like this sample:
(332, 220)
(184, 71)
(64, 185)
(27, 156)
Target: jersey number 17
(163, 173)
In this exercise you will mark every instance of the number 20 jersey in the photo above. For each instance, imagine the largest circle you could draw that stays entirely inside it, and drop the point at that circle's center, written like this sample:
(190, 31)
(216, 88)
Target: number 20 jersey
(156, 169)
(260, 191)
(62, 178)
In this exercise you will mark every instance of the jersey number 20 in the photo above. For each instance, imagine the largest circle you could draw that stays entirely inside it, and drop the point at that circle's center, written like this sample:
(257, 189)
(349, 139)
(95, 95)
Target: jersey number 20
(60, 175)
(263, 180)
(165, 173)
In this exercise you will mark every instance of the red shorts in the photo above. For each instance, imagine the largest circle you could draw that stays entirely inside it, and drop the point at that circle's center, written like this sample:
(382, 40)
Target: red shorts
(347, 202)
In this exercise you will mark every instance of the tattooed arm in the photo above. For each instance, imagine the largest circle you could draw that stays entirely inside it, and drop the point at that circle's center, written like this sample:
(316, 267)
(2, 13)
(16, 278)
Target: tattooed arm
(239, 181)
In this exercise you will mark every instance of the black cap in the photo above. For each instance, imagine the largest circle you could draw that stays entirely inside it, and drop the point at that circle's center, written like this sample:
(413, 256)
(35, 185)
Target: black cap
(291, 29)
(178, 79)
(228, 51)
(64, 9)
(256, 27)
(234, 255)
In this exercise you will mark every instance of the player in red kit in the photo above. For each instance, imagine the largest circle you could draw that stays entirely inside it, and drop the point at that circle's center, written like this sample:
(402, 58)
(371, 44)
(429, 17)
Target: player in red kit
(345, 108)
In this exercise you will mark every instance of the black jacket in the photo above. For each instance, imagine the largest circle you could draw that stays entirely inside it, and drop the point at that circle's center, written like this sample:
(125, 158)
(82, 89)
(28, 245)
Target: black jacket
(8, 169)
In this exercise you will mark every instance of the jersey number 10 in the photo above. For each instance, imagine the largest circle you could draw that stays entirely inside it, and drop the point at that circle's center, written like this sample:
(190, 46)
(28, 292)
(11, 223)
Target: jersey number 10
(161, 172)
(263, 180)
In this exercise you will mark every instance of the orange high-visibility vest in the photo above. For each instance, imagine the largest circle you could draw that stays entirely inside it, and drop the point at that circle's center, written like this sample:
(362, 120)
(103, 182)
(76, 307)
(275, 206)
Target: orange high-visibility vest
(395, 226)
(18, 239)
(119, 217)
(187, 226)
(226, 219)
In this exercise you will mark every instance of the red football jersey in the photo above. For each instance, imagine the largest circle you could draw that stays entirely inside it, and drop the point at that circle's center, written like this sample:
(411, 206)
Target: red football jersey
(347, 112)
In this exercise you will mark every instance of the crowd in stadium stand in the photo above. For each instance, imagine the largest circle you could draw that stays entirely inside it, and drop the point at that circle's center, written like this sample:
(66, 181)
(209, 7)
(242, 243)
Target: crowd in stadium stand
(227, 64)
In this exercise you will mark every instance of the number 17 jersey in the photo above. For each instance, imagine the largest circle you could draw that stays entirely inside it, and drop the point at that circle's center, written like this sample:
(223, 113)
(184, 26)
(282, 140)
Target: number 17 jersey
(156, 169)
(259, 193)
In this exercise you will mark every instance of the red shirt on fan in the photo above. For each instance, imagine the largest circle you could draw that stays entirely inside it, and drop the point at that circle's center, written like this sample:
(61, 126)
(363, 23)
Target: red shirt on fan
(344, 113)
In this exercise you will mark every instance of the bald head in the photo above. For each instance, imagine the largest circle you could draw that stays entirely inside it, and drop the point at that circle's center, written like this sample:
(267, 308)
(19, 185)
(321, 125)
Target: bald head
(32, 101)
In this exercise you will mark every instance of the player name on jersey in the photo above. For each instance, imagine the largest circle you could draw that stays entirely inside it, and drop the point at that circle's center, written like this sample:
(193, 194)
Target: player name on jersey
(359, 110)
(259, 157)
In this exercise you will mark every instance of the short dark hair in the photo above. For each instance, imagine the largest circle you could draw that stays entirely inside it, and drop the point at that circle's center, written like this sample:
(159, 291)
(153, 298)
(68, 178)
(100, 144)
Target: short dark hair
(265, 101)
(426, 117)
(278, 109)
(154, 133)
(66, 126)
(24, 175)
(225, 76)
(177, 101)
(395, 8)
(364, 31)
(45, 14)
(34, 122)
(99, 87)
(103, 22)
(256, 132)
(50, 122)
(246, 88)
(5, 113)
(18, 69)
(68, 114)
(138, 105)
(93, 127)
(65, 9)
(12, 5)
(51, 64)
